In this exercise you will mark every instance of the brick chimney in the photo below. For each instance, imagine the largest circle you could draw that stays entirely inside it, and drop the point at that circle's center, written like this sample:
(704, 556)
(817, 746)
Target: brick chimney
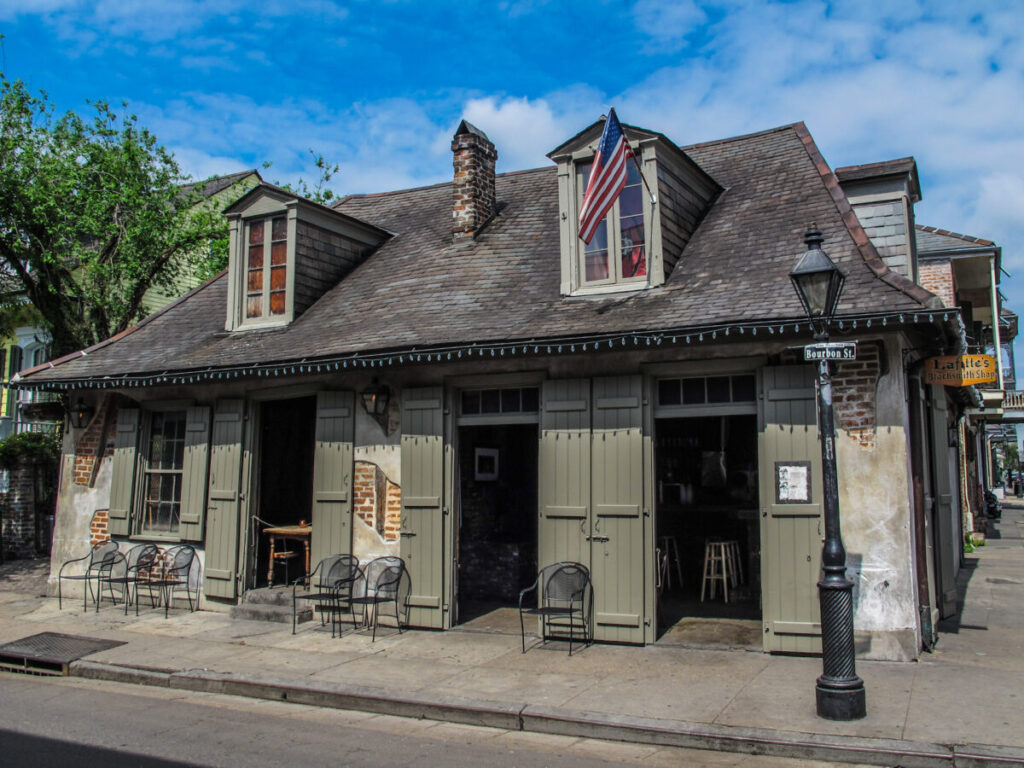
(473, 156)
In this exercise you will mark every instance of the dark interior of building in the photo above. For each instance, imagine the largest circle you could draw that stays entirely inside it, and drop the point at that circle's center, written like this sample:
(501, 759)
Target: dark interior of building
(497, 554)
(707, 494)
(285, 477)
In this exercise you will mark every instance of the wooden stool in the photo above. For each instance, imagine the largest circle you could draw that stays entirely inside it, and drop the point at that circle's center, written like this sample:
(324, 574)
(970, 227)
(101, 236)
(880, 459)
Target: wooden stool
(670, 551)
(718, 568)
(737, 562)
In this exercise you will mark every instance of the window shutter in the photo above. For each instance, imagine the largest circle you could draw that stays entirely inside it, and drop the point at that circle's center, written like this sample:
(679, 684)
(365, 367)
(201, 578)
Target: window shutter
(193, 476)
(125, 462)
(332, 475)
(224, 500)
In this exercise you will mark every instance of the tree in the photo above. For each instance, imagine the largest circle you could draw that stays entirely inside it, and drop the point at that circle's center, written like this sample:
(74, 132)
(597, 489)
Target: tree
(92, 214)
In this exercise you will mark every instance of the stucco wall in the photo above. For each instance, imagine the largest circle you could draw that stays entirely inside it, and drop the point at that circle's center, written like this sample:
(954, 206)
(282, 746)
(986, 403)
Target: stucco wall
(874, 502)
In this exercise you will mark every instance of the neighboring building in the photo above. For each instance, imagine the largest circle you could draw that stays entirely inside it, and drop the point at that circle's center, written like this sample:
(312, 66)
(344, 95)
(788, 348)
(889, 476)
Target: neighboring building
(546, 400)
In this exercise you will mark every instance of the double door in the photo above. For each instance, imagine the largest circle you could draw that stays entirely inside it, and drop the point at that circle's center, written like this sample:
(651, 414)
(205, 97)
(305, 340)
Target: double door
(591, 489)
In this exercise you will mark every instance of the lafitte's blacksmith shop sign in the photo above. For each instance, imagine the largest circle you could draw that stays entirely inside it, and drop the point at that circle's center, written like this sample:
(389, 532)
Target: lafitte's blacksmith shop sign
(960, 370)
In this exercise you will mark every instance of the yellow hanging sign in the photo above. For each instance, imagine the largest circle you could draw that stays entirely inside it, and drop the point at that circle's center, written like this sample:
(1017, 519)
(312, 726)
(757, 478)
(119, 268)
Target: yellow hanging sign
(960, 370)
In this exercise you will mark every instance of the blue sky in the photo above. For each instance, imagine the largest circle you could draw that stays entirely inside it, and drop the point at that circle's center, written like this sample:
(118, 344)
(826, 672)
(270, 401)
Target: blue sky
(379, 87)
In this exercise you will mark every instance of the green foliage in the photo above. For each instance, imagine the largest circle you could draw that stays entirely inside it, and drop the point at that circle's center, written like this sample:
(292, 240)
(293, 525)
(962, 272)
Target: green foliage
(34, 447)
(319, 192)
(93, 215)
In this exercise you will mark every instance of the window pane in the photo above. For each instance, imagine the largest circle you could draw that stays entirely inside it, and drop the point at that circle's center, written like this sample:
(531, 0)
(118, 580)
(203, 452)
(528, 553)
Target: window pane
(256, 257)
(669, 392)
(693, 391)
(510, 401)
(256, 233)
(632, 173)
(277, 303)
(470, 402)
(279, 229)
(596, 255)
(631, 201)
(254, 307)
(531, 400)
(255, 280)
(743, 388)
(489, 401)
(718, 389)
(279, 253)
(278, 276)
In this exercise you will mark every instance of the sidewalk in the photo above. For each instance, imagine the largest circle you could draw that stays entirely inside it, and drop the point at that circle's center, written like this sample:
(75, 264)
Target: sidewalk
(962, 705)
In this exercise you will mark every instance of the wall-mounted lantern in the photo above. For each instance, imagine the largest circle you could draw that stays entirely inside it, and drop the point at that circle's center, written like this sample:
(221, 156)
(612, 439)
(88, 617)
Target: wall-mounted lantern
(375, 403)
(81, 414)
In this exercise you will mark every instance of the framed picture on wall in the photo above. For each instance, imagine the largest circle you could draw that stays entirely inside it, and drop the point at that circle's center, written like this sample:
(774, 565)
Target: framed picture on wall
(792, 482)
(486, 464)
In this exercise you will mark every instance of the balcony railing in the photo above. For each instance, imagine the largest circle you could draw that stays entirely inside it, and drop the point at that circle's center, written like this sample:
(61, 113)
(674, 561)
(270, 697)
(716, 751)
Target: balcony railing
(1013, 400)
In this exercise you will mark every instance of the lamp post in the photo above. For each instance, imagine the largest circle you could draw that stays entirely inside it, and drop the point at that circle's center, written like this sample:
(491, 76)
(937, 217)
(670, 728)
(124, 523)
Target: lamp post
(839, 693)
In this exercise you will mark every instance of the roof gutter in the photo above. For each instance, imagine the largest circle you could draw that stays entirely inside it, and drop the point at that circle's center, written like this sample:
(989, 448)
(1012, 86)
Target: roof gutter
(534, 347)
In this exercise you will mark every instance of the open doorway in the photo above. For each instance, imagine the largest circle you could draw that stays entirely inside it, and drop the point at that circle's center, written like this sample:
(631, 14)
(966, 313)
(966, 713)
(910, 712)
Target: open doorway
(497, 524)
(707, 507)
(284, 485)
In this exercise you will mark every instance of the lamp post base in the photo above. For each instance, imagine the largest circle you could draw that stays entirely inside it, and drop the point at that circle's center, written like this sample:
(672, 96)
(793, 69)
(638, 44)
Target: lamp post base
(843, 703)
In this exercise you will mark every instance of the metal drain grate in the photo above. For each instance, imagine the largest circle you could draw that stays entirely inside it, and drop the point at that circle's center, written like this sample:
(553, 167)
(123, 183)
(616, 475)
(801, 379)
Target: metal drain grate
(49, 653)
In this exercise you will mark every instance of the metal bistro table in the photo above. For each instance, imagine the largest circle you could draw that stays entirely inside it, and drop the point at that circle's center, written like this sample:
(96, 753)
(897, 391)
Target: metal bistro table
(299, 532)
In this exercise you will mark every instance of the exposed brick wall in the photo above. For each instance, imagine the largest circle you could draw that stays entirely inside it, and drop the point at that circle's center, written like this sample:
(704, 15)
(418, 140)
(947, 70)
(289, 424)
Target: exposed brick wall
(377, 500)
(19, 513)
(98, 527)
(95, 443)
(854, 390)
(937, 277)
(392, 510)
(474, 158)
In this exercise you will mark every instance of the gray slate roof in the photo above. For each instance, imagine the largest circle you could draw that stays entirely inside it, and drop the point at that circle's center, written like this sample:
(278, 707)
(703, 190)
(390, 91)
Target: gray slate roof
(421, 289)
(931, 240)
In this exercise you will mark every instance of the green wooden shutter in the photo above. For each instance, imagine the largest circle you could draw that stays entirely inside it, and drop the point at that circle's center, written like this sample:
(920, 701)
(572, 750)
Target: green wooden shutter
(422, 532)
(564, 472)
(224, 500)
(617, 536)
(791, 533)
(332, 476)
(946, 511)
(194, 473)
(124, 466)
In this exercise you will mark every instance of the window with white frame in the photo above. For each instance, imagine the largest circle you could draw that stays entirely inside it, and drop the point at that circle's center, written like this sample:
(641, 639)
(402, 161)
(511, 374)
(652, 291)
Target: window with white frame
(163, 463)
(266, 267)
(618, 251)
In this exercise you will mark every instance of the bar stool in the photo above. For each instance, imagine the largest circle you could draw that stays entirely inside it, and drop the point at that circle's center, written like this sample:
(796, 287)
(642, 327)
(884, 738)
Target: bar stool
(670, 551)
(718, 568)
(737, 563)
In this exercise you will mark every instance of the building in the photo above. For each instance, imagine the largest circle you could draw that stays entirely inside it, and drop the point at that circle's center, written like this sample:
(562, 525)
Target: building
(448, 373)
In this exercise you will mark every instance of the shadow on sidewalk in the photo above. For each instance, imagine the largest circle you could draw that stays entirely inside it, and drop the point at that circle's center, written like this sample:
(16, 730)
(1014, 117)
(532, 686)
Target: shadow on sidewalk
(953, 624)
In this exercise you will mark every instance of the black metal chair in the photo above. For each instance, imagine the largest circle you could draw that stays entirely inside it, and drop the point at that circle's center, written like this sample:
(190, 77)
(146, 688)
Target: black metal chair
(129, 569)
(172, 572)
(384, 580)
(328, 591)
(564, 598)
(97, 564)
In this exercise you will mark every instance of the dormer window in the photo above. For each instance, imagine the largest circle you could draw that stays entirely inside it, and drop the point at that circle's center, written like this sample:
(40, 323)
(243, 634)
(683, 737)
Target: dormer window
(640, 240)
(267, 283)
(285, 253)
(618, 251)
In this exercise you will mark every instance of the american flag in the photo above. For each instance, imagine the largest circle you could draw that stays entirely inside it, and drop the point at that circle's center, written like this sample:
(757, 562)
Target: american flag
(607, 177)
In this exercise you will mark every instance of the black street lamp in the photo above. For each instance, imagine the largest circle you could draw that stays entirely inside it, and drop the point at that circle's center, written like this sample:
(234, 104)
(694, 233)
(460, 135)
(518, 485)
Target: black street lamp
(840, 693)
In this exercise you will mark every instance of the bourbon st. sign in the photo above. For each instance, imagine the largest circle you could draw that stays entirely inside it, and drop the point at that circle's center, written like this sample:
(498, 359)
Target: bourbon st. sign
(960, 370)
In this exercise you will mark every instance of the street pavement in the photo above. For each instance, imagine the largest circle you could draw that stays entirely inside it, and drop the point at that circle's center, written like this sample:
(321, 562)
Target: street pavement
(959, 705)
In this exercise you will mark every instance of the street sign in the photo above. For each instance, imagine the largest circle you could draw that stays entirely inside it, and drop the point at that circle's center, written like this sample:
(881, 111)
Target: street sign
(831, 350)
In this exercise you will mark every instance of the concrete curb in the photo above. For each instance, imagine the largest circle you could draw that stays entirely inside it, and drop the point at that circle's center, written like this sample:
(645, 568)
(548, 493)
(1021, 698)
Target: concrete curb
(566, 722)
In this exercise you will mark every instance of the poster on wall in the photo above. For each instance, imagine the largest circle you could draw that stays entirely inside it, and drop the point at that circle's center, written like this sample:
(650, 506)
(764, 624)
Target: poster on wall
(792, 482)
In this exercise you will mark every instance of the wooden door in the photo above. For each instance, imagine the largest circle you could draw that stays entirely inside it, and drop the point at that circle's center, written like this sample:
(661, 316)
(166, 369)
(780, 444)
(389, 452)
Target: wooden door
(332, 476)
(564, 472)
(789, 455)
(224, 500)
(945, 508)
(422, 540)
(617, 529)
